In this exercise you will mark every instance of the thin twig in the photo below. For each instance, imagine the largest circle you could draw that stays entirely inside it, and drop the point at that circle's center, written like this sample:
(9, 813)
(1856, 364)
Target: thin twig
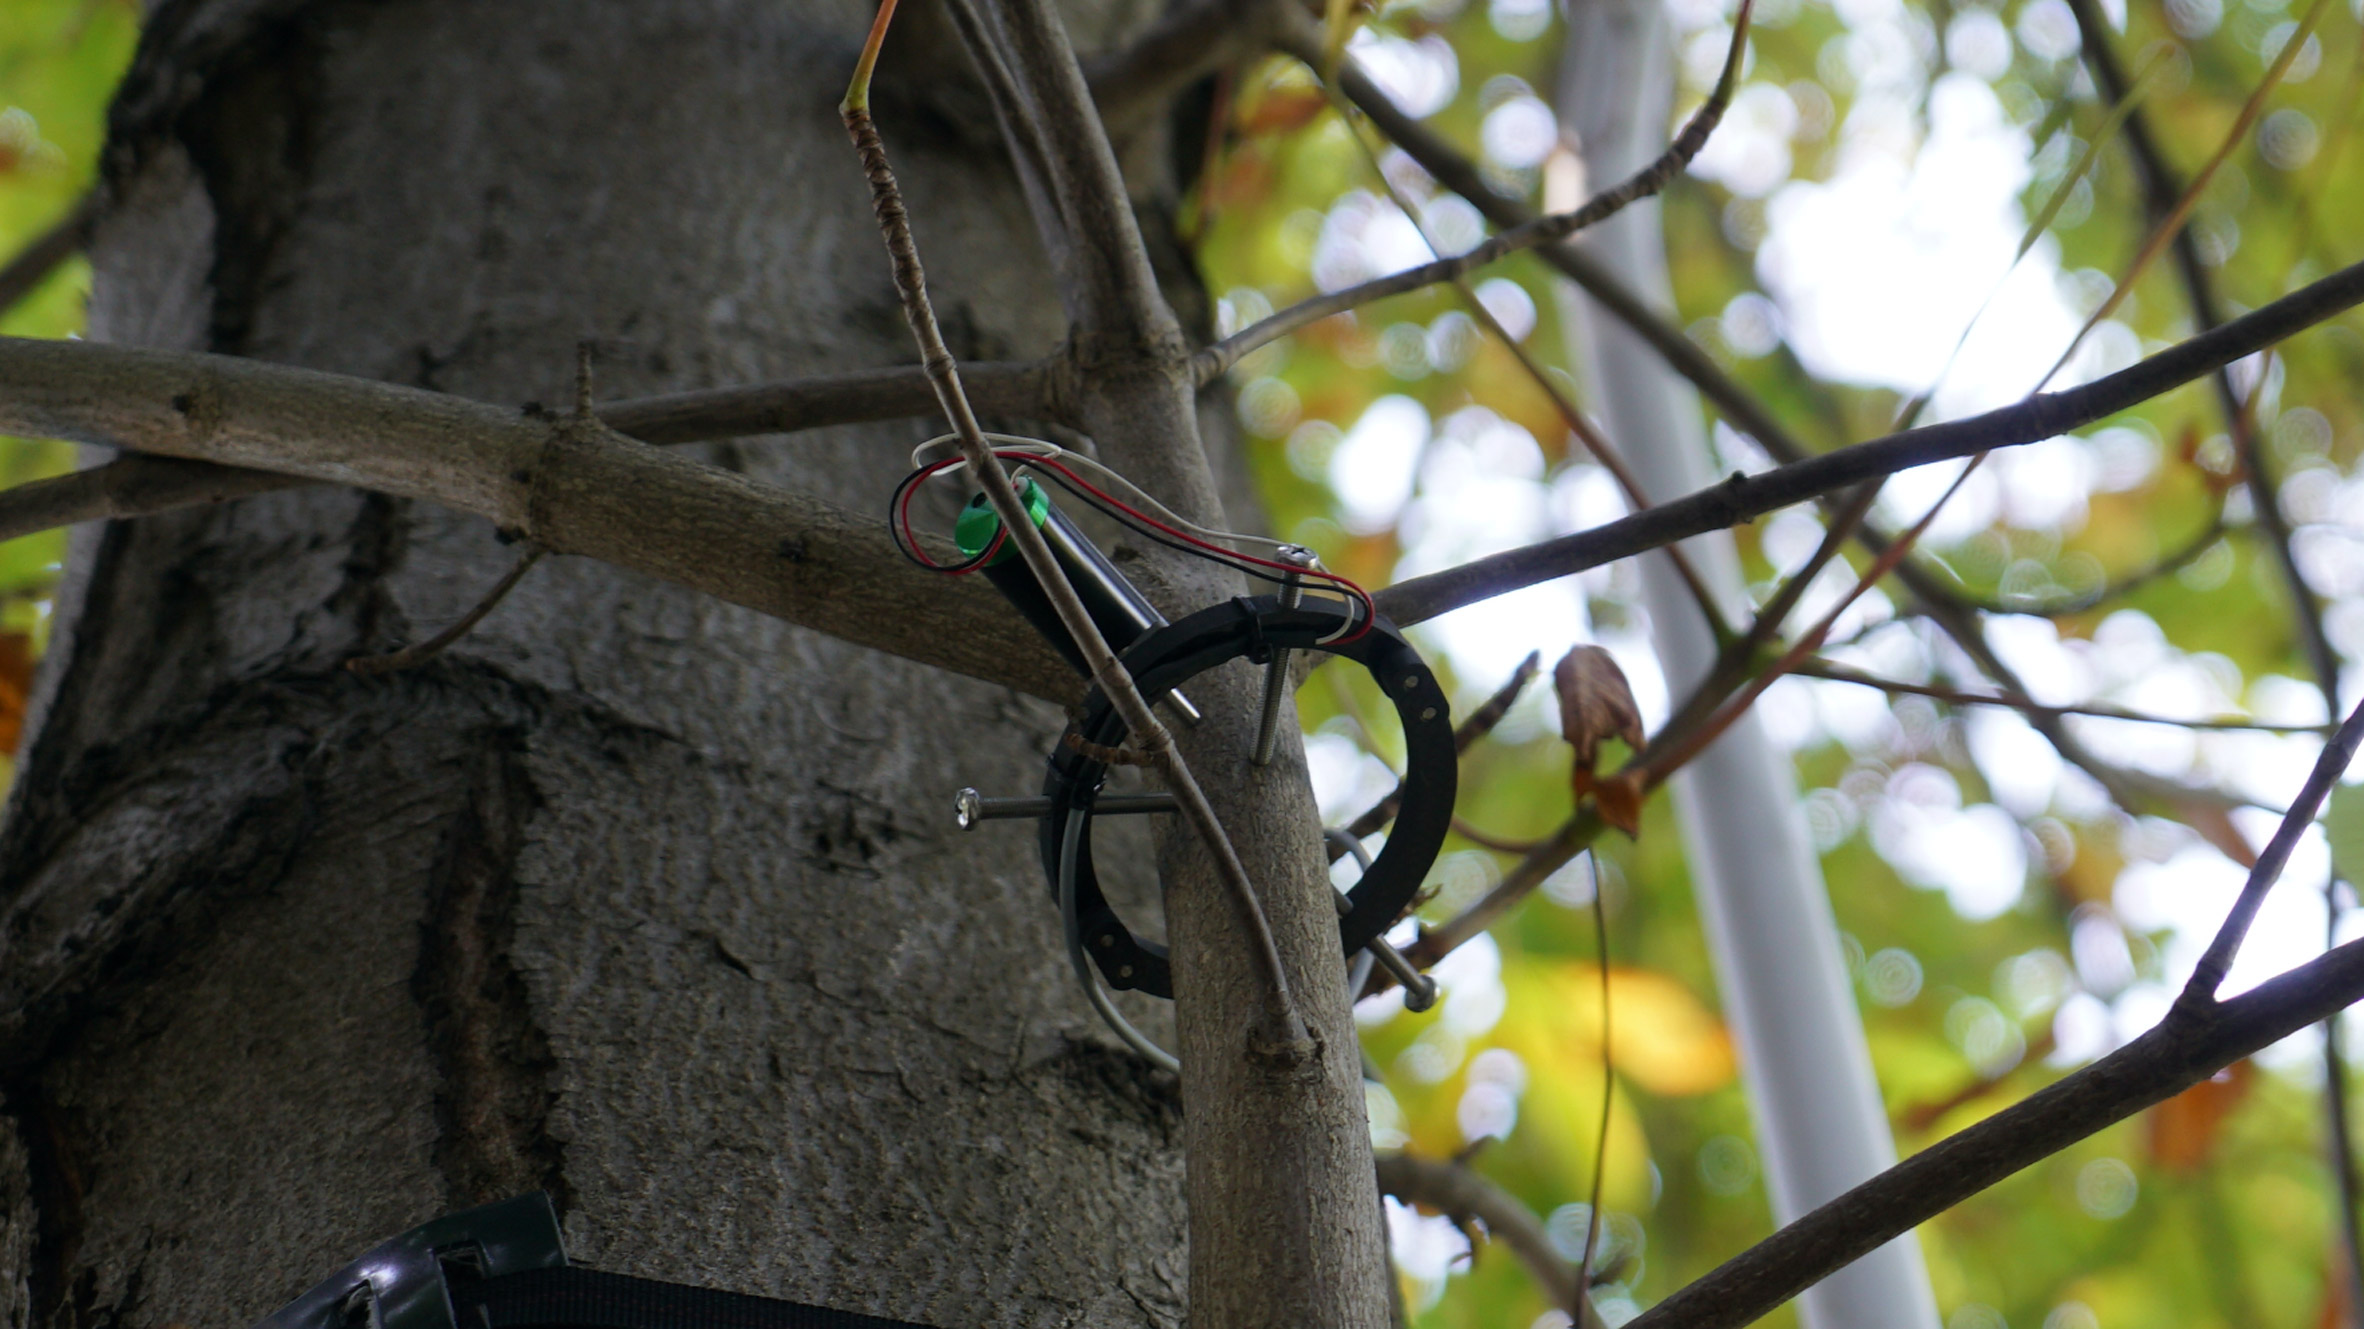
(1742, 497)
(32, 264)
(1460, 1193)
(1480, 723)
(1839, 673)
(2100, 595)
(1219, 358)
(418, 653)
(1594, 442)
(1025, 390)
(132, 486)
(1600, 1151)
(2209, 973)
(1283, 1035)
(1487, 840)
(1668, 757)
(1844, 524)
(1453, 169)
(2166, 198)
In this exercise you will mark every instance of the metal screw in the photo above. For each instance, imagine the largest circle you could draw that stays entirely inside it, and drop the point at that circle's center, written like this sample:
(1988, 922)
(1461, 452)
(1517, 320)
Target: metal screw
(1276, 673)
(970, 807)
(1419, 989)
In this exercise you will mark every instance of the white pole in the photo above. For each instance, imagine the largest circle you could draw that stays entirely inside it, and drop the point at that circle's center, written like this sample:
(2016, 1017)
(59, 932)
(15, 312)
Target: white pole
(1786, 994)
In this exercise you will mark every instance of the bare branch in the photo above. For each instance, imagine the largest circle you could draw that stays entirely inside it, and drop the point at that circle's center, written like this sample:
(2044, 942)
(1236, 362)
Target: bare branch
(1121, 312)
(2162, 195)
(129, 487)
(2100, 595)
(1187, 43)
(1019, 390)
(1574, 836)
(33, 264)
(2187, 1047)
(140, 486)
(1742, 497)
(1480, 723)
(1457, 1191)
(571, 487)
(2218, 958)
(1839, 673)
(1456, 172)
(418, 653)
(1219, 358)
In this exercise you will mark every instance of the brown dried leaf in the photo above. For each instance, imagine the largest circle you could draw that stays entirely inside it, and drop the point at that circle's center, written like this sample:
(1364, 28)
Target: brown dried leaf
(2186, 1128)
(1620, 800)
(16, 685)
(1595, 703)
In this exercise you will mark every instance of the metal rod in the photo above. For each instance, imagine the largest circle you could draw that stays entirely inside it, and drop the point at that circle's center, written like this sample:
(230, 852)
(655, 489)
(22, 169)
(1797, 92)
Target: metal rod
(1276, 673)
(1419, 988)
(970, 807)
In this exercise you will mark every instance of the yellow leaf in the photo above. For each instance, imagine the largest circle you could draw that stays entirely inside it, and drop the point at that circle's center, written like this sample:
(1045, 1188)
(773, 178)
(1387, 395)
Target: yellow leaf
(1662, 1037)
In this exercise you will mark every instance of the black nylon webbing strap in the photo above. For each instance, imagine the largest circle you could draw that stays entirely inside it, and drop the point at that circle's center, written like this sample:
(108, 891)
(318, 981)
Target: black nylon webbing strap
(577, 1298)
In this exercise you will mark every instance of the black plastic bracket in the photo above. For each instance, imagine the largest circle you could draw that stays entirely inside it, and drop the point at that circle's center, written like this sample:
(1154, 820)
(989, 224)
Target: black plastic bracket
(400, 1284)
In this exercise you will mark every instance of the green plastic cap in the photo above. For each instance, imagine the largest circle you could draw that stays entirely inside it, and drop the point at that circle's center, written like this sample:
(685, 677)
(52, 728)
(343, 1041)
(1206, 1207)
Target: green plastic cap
(977, 525)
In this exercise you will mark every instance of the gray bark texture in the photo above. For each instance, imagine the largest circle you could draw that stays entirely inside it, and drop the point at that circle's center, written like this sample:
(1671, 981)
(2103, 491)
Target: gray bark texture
(633, 895)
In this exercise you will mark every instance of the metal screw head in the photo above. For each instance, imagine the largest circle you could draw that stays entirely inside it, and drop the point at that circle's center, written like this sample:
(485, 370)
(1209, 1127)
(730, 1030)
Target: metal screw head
(967, 806)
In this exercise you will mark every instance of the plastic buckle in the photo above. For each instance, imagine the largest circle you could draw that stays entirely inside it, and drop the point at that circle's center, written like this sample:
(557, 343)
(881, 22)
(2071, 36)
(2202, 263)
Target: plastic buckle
(400, 1284)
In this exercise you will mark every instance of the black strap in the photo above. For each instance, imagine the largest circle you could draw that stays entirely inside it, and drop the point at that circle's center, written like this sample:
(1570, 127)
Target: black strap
(572, 1297)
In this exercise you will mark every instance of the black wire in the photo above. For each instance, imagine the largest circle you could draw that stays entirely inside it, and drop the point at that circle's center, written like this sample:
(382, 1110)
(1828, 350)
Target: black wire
(903, 546)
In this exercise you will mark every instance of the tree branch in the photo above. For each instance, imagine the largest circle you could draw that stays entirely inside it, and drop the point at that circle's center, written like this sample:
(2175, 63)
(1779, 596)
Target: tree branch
(1214, 361)
(1187, 43)
(140, 486)
(1120, 314)
(1457, 1191)
(32, 265)
(2329, 765)
(1838, 673)
(2162, 195)
(131, 486)
(1456, 172)
(1028, 390)
(572, 487)
(1742, 497)
(2187, 1047)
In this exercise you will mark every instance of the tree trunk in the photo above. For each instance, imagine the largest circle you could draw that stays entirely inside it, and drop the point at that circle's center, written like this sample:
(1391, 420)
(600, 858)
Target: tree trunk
(631, 895)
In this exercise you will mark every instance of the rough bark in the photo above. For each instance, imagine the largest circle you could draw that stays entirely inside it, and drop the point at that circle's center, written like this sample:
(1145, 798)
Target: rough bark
(633, 895)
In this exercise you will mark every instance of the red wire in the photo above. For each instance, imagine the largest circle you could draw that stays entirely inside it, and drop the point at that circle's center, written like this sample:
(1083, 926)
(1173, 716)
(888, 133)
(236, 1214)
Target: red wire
(903, 515)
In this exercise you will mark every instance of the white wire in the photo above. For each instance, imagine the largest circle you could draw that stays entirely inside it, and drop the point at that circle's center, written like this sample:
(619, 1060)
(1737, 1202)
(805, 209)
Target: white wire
(1073, 926)
(932, 451)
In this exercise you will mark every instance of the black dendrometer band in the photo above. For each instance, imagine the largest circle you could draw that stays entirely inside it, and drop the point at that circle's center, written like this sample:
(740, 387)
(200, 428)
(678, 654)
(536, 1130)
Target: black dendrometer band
(1250, 629)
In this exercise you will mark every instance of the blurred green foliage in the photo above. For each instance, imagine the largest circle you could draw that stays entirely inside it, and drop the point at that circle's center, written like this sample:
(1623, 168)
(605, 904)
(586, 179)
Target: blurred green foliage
(2216, 1209)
